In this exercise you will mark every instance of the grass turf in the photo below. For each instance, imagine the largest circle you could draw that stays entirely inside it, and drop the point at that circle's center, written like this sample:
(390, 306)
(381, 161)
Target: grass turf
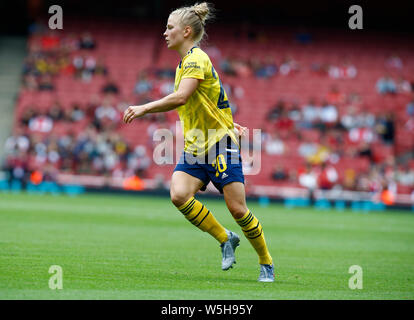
(136, 247)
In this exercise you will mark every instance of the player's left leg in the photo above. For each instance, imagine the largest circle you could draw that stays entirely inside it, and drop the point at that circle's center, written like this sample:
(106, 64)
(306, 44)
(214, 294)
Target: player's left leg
(183, 188)
(235, 197)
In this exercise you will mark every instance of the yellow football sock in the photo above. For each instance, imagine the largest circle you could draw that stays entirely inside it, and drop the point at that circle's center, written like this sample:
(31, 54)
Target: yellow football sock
(202, 218)
(253, 231)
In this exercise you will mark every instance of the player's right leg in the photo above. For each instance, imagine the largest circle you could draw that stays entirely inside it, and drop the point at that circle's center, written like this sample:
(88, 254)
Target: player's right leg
(183, 188)
(235, 197)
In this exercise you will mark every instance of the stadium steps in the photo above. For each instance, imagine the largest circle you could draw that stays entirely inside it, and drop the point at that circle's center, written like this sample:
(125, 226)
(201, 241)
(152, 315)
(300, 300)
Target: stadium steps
(12, 54)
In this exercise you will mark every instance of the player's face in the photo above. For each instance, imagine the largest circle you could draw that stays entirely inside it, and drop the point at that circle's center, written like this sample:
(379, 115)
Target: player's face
(174, 33)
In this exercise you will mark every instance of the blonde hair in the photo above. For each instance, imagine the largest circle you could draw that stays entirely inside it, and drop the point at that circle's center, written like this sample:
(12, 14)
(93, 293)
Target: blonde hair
(195, 16)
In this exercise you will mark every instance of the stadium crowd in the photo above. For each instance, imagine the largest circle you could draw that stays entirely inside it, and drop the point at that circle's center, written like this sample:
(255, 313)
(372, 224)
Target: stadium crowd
(327, 130)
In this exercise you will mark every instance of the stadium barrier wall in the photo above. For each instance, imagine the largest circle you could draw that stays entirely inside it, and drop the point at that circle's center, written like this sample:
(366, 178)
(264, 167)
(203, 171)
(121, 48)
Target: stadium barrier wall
(291, 197)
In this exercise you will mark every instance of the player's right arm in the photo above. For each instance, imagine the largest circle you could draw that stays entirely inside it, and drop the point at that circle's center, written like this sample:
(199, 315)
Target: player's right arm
(180, 97)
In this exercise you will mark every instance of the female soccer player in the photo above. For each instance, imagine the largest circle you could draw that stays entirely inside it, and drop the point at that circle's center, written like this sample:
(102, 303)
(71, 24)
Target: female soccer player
(211, 151)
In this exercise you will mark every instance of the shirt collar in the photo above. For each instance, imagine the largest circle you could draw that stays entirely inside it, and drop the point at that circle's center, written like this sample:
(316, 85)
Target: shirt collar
(188, 52)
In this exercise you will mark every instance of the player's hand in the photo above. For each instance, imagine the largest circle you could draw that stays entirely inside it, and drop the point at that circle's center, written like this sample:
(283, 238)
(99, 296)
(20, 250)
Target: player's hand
(133, 112)
(241, 130)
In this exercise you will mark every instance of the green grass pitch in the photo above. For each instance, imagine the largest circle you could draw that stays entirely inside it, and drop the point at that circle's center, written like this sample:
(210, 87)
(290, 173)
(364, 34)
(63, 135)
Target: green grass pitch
(141, 247)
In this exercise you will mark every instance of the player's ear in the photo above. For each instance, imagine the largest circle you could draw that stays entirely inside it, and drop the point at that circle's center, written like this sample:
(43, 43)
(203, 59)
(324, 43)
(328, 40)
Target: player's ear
(187, 31)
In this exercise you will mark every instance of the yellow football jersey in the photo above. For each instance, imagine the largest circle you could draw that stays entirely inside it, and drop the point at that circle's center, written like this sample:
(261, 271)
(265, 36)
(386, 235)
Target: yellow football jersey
(206, 117)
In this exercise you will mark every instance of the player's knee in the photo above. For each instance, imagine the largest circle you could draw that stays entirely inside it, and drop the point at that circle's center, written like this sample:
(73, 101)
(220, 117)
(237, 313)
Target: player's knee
(237, 210)
(178, 198)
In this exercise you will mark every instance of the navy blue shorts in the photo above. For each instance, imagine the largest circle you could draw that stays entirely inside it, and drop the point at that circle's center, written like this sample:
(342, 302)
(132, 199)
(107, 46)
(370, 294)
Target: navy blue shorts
(221, 165)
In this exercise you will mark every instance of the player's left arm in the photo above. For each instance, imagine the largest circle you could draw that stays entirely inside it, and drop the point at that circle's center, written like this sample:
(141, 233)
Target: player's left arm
(240, 130)
(185, 90)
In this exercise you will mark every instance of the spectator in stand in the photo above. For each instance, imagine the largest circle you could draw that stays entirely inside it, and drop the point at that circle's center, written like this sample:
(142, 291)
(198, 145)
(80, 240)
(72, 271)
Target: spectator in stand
(280, 173)
(362, 182)
(307, 148)
(386, 85)
(143, 84)
(284, 123)
(29, 65)
(328, 177)
(395, 62)
(165, 72)
(409, 124)
(403, 85)
(274, 145)
(167, 88)
(28, 113)
(91, 106)
(41, 123)
(386, 128)
(86, 41)
(366, 151)
(78, 63)
(267, 69)
(65, 145)
(310, 114)
(321, 154)
(309, 180)
(288, 66)
(375, 180)
(138, 161)
(19, 142)
(227, 66)
(50, 173)
(120, 147)
(294, 113)
(352, 120)
(45, 83)
(366, 120)
(106, 115)
(67, 115)
(354, 99)
(70, 43)
(100, 68)
(334, 96)
(405, 176)
(76, 114)
(50, 40)
(30, 82)
(410, 108)
(276, 111)
(328, 114)
(346, 71)
(17, 167)
(89, 65)
(241, 67)
(65, 65)
(237, 91)
(42, 66)
(349, 71)
(110, 87)
(349, 182)
(55, 112)
(53, 156)
(319, 69)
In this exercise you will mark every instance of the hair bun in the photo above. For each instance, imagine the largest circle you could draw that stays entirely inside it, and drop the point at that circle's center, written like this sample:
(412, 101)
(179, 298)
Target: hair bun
(202, 10)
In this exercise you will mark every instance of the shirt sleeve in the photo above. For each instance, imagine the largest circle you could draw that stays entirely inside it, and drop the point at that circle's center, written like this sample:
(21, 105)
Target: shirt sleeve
(193, 67)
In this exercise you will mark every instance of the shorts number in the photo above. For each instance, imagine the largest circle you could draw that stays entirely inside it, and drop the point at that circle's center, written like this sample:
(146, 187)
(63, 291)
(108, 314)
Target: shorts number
(220, 164)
